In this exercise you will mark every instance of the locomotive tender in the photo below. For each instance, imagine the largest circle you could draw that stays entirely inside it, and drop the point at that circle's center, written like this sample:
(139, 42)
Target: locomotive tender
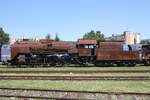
(83, 51)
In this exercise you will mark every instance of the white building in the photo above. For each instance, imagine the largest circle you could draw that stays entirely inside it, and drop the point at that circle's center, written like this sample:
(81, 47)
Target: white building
(132, 37)
(127, 37)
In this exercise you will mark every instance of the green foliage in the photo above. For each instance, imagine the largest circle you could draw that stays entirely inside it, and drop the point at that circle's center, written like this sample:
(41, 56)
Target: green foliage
(48, 36)
(4, 37)
(57, 38)
(94, 35)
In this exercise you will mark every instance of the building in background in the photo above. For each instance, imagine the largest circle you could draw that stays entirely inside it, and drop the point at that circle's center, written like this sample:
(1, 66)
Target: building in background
(115, 37)
(12, 41)
(132, 37)
(127, 37)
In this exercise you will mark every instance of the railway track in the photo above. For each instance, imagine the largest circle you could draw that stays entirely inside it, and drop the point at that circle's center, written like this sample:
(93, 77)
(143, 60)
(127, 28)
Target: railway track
(77, 78)
(76, 71)
(67, 94)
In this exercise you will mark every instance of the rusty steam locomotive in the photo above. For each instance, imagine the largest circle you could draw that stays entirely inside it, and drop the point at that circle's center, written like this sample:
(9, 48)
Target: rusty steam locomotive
(106, 53)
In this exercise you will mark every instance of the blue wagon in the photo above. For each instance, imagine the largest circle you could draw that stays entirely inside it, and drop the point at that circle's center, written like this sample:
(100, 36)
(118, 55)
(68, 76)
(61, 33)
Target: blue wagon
(5, 54)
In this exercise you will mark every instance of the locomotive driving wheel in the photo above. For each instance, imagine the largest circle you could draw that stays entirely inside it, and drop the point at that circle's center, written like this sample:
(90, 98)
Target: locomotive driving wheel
(147, 61)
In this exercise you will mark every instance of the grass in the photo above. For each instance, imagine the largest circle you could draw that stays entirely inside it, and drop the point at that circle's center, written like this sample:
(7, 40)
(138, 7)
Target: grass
(105, 86)
(79, 74)
(5, 68)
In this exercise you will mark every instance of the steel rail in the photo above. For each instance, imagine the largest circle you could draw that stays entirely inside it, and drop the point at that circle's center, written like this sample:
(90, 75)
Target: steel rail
(73, 91)
(71, 78)
(76, 71)
(33, 97)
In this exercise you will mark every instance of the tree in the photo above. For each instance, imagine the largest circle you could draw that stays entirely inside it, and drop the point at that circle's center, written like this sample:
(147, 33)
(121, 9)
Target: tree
(4, 37)
(94, 35)
(48, 36)
(57, 38)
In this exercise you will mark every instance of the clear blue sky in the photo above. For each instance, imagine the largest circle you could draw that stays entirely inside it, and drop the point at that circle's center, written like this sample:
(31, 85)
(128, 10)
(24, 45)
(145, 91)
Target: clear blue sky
(72, 18)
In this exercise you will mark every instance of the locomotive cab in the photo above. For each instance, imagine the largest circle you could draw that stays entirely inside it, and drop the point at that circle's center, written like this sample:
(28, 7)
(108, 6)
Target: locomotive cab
(86, 50)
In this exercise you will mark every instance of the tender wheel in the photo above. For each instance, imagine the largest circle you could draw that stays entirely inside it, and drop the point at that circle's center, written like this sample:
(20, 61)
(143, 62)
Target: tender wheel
(131, 63)
(147, 63)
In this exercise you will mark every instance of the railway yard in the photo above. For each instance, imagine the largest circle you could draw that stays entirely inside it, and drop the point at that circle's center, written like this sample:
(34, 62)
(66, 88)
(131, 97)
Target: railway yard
(75, 83)
(79, 65)
(82, 69)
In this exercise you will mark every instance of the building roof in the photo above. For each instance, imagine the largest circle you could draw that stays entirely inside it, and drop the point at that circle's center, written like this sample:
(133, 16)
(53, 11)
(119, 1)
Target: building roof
(82, 41)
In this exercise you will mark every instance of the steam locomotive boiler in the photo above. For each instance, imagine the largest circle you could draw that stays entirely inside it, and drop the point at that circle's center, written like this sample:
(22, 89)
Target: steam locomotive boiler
(43, 52)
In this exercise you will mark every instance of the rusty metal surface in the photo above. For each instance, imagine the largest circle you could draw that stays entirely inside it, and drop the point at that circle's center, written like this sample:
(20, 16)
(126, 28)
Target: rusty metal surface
(110, 43)
(84, 52)
(46, 41)
(72, 51)
(82, 41)
(116, 55)
(63, 44)
(111, 46)
(24, 47)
